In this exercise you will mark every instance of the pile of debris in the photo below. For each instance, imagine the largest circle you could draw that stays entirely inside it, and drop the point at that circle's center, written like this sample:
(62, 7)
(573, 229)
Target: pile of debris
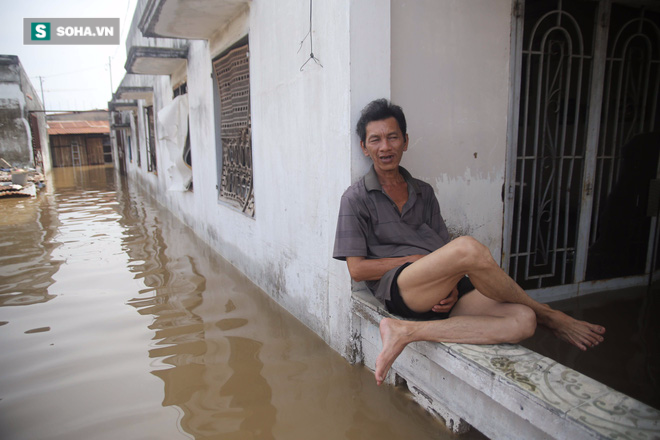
(17, 182)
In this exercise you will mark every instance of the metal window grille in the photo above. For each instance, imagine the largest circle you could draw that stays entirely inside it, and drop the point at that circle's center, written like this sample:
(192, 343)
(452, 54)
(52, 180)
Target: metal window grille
(150, 138)
(137, 149)
(232, 72)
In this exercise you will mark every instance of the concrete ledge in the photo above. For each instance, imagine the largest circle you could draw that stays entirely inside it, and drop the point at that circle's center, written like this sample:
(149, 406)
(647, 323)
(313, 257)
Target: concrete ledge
(504, 391)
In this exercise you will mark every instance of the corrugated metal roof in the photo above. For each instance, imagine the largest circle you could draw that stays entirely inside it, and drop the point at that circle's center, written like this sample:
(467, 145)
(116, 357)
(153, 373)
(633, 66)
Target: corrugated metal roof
(18, 190)
(78, 127)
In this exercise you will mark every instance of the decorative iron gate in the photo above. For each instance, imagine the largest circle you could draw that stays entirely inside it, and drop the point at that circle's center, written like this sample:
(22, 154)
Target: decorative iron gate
(586, 105)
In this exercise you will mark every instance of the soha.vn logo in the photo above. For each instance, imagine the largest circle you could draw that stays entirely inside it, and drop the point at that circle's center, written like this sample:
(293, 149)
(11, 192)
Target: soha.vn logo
(40, 31)
(95, 30)
(85, 31)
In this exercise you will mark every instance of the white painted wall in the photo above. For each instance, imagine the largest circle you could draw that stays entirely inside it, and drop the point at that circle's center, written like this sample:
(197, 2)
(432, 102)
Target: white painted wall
(305, 151)
(450, 73)
(370, 67)
(301, 139)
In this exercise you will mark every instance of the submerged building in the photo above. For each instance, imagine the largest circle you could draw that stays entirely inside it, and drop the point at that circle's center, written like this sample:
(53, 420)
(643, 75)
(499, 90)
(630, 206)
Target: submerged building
(23, 130)
(80, 138)
(527, 117)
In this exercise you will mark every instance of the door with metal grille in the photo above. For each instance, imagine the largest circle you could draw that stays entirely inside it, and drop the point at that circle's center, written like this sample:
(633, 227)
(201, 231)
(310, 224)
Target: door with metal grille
(627, 155)
(582, 152)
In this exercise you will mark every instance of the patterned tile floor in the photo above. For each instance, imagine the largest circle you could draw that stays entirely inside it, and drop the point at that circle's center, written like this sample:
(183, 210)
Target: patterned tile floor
(613, 389)
(591, 403)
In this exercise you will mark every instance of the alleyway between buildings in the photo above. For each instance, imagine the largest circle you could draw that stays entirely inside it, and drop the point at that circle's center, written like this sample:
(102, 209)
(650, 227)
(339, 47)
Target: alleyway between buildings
(117, 322)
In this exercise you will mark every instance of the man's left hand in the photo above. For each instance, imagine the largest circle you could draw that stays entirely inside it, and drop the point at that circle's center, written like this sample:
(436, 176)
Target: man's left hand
(446, 304)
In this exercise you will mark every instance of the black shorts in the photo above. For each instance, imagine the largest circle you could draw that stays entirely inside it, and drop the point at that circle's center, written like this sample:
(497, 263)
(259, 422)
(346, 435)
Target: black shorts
(396, 305)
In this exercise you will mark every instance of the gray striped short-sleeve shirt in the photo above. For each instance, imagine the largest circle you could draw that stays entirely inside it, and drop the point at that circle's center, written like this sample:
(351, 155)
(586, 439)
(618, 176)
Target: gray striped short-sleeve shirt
(371, 226)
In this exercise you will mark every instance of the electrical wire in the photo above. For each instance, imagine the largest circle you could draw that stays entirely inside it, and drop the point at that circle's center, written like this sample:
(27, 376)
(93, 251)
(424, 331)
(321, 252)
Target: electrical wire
(311, 42)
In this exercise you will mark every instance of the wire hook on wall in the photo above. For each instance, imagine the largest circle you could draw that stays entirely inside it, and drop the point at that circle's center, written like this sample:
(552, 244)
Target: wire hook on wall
(311, 42)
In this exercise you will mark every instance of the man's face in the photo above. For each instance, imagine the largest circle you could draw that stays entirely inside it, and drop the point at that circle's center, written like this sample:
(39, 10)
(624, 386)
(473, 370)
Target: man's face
(384, 144)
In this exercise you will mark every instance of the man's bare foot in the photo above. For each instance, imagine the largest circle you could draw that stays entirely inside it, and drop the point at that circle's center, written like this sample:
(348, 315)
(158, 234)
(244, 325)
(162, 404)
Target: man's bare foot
(393, 336)
(582, 334)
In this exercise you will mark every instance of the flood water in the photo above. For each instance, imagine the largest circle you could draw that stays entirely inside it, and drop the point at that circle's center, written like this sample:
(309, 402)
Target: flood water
(116, 322)
(629, 359)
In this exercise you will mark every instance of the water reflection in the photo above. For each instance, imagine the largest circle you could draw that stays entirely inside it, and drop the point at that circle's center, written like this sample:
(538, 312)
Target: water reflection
(29, 227)
(207, 355)
(629, 359)
(212, 372)
(235, 363)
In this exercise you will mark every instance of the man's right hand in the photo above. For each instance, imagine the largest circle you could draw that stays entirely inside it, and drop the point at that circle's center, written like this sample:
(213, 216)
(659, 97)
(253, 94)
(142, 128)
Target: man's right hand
(446, 304)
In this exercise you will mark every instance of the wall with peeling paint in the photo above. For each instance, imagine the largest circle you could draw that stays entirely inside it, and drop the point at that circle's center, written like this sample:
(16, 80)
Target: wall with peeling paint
(450, 73)
(17, 99)
(301, 142)
(305, 151)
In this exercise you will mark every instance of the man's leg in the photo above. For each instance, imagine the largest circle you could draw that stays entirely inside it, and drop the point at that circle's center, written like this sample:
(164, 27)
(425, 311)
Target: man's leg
(475, 319)
(428, 280)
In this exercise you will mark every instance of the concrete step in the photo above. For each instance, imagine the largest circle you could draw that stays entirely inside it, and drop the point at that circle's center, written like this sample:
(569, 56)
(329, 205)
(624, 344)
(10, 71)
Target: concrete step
(505, 391)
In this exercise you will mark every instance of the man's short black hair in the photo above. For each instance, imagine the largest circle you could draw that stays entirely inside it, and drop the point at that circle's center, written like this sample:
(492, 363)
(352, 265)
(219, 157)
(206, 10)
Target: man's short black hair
(378, 110)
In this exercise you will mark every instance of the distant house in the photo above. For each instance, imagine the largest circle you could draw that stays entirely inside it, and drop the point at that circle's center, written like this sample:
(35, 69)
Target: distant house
(80, 138)
(23, 136)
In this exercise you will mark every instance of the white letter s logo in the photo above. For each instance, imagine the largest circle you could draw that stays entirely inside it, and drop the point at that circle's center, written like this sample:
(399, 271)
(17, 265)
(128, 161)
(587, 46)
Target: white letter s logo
(40, 30)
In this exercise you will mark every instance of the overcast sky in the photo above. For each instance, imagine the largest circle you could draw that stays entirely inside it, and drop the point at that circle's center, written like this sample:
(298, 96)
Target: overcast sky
(73, 77)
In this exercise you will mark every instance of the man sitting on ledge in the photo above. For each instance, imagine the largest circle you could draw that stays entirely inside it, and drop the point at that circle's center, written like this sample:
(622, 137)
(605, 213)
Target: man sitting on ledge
(391, 234)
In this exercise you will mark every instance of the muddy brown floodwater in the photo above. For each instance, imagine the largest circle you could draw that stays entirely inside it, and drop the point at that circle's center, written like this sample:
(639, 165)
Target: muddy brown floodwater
(117, 322)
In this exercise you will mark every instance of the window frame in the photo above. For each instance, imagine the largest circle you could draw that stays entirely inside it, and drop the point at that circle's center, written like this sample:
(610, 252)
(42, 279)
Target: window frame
(235, 182)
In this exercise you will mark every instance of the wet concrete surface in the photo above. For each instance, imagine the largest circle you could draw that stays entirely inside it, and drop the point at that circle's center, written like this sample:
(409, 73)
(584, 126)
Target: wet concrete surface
(117, 322)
